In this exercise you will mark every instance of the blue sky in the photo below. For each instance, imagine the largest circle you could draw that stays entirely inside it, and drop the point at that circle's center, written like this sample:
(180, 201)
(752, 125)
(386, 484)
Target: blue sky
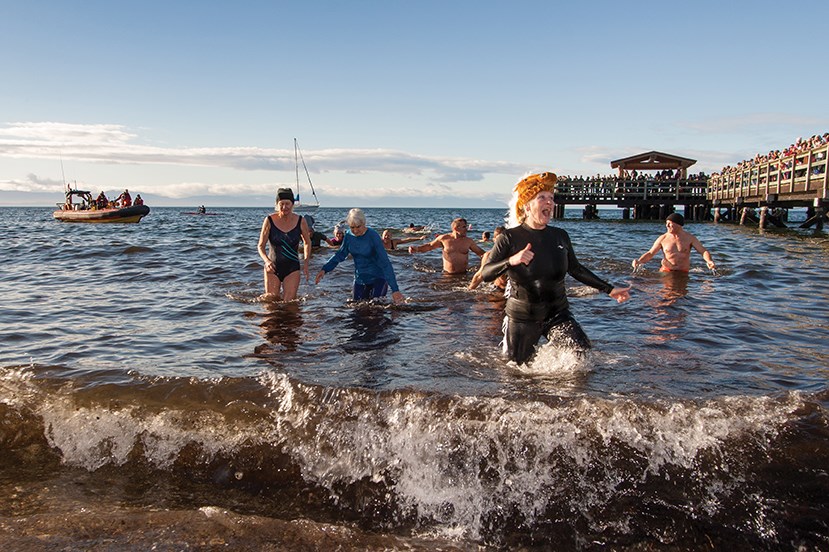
(420, 103)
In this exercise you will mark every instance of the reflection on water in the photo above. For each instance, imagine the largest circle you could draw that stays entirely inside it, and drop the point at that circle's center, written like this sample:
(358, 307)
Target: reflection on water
(669, 318)
(368, 328)
(281, 324)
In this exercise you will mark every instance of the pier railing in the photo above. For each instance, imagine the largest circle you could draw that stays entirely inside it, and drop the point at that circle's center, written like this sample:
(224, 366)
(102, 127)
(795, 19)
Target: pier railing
(798, 178)
(628, 192)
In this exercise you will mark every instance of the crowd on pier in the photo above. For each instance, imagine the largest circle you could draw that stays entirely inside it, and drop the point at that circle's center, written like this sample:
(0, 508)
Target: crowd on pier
(784, 159)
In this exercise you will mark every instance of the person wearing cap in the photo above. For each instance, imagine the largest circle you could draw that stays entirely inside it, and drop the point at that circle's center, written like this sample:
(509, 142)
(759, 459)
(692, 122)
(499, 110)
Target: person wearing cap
(676, 245)
(282, 232)
(373, 273)
(536, 257)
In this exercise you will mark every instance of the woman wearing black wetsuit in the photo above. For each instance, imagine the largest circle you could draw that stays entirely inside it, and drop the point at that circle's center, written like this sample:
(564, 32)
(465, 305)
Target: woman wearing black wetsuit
(536, 257)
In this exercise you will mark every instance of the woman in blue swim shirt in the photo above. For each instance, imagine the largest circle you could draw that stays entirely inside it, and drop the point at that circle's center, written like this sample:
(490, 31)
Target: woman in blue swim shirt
(373, 273)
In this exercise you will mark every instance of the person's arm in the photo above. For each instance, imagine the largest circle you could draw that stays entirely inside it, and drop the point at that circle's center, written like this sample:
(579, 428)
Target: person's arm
(263, 240)
(306, 241)
(407, 240)
(498, 260)
(475, 248)
(436, 243)
(336, 258)
(704, 252)
(649, 254)
(582, 273)
(478, 277)
(385, 265)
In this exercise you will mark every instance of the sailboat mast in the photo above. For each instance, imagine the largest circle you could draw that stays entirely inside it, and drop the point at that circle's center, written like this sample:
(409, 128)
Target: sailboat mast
(296, 167)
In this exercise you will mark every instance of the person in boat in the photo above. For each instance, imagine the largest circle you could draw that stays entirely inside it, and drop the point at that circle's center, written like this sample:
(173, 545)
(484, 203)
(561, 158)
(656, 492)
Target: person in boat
(373, 272)
(676, 245)
(478, 277)
(456, 246)
(138, 200)
(202, 209)
(282, 232)
(316, 237)
(124, 200)
(392, 243)
(102, 201)
(536, 258)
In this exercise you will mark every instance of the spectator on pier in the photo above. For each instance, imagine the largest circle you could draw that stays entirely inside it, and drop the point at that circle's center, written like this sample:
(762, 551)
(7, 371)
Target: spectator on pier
(675, 245)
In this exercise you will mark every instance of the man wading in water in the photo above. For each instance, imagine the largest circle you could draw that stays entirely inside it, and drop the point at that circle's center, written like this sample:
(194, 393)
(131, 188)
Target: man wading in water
(676, 246)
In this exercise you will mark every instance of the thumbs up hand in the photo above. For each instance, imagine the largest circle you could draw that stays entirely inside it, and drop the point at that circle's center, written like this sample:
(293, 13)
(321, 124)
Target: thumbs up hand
(525, 256)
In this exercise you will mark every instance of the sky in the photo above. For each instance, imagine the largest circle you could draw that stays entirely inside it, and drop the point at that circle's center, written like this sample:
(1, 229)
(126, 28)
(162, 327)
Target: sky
(393, 103)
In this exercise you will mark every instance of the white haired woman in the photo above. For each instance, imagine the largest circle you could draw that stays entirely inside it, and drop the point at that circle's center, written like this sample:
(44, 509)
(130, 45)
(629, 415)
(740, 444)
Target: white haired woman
(536, 258)
(282, 232)
(373, 273)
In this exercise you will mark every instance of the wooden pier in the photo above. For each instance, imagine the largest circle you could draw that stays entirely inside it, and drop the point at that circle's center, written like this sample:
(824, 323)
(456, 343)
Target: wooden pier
(758, 192)
(640, 196)
(774, 186)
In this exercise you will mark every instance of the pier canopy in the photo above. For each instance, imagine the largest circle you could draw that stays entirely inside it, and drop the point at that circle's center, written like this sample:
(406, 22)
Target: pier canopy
(653, 161)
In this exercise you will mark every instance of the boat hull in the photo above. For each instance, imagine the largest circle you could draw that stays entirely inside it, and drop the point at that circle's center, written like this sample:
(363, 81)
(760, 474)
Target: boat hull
(125, 215)
(305, 208)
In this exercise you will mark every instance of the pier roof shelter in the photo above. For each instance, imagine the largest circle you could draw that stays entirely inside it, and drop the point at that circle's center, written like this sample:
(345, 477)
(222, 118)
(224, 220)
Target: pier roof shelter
(653, 161)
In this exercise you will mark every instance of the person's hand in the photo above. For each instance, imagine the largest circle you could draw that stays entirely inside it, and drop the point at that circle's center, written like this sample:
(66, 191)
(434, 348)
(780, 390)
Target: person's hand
(525, 256)
(397, 297)
(635, 264)
(620, 294)
(711, 265)
(320, 274)
(270, 266)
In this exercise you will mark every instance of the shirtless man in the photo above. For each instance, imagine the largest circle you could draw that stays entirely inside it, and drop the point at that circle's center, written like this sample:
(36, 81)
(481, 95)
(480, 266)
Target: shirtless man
(456, 247)
(676, 246)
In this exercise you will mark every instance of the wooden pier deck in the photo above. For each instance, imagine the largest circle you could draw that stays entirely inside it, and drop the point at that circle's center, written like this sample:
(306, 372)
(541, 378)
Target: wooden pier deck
(646, 197)
(799, 180)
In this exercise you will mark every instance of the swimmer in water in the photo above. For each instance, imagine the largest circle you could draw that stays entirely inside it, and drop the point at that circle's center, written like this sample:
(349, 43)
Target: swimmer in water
(536, 258)
(456, 246)
(392, 243)
(676, 245)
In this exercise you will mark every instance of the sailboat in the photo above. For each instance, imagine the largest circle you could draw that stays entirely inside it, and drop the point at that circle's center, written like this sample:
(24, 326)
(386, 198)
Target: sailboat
(300, 207)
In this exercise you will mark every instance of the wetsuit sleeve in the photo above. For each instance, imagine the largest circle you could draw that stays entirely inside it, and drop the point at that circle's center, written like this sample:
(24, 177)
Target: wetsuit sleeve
(498, 261)
(383, 261)
(583, 274)
(338, 257)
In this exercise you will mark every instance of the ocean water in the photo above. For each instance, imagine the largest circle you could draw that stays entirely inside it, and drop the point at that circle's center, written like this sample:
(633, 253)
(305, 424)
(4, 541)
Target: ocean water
(150, 399)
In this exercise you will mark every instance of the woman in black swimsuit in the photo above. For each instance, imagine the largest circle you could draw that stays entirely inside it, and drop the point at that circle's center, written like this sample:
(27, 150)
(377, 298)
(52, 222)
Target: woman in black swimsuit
(283, 230)
(536, 258)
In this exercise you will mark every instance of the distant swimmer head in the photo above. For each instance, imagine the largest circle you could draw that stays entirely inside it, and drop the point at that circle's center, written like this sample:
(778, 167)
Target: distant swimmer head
(285, 193)
(676, 218)
(526, 190)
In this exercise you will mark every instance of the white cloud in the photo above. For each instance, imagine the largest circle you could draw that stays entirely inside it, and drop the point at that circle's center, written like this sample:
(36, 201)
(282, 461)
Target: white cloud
(112, 144)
